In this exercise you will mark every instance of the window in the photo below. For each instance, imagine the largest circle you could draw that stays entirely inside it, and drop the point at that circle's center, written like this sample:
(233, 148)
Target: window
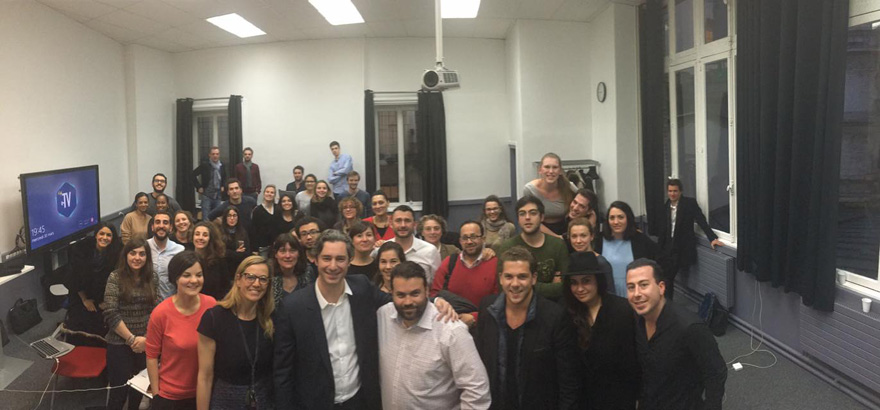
(211, 128)
(858, 241)
(399, 168)
(699, 142)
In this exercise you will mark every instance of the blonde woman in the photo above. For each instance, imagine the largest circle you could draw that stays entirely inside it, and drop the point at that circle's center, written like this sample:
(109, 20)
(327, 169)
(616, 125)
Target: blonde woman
(554, 190)
(235, 343)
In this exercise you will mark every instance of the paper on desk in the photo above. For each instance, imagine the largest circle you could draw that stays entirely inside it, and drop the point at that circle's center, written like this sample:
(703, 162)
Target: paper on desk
(141, 383)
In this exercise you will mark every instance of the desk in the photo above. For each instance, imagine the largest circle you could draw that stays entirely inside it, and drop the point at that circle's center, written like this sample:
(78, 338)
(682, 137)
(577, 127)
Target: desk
(11, 367)
(26, 269)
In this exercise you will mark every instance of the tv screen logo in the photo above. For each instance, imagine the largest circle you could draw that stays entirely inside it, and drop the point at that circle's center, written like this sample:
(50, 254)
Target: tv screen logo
(66, 199)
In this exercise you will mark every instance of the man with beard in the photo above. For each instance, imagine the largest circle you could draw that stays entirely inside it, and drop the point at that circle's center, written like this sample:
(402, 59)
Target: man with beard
(448, 373)
(326, 337)
(163, 250)
(467, 274)
(549, 251)
(248, 174)
(527, 342)
(681, 365)
(159, 184)
(403, 222)
(308, 229)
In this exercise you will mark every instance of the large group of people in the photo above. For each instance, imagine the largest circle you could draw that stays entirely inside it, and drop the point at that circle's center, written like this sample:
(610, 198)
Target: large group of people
(320, 297)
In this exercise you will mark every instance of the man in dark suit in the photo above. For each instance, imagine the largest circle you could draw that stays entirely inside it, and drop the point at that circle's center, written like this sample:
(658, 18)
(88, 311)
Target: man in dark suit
(677, 238)
(326, 336)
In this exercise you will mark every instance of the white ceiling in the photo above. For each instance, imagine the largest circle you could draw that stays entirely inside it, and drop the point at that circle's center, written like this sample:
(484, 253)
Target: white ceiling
(179, 25)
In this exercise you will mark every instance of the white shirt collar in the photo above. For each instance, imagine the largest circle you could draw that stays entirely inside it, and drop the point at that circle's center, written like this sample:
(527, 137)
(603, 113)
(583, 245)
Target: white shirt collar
(322, 303)
(425, 322)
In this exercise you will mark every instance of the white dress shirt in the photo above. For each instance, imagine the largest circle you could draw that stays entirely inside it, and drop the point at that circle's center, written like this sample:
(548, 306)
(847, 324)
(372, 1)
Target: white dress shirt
(160, 265)
(339, 330)
(430, 365)
(424, 254)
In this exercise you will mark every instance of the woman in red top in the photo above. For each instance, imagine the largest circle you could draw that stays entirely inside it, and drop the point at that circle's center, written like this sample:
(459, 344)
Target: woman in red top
(381, 220)
(172, 336)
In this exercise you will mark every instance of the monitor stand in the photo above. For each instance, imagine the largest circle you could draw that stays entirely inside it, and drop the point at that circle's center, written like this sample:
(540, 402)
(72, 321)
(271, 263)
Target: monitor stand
(11, 368)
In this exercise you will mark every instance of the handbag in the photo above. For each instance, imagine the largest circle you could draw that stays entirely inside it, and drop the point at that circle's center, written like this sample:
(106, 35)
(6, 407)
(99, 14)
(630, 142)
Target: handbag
(714, 314)
(23, 315)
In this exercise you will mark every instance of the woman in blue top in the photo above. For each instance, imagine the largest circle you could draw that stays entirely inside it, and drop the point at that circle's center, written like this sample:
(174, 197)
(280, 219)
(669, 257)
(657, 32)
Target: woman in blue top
(622, 243)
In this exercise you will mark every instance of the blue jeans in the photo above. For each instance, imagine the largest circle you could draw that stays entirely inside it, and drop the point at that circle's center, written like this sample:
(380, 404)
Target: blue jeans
(208, 205)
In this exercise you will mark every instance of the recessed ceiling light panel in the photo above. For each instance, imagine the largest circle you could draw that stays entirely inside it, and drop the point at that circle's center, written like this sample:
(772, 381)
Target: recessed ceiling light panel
(459, 9)
(237, 25)
(338, 12)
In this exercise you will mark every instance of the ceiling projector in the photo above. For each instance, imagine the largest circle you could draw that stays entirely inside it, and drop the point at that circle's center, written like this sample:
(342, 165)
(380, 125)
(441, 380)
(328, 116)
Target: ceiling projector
(440, 78)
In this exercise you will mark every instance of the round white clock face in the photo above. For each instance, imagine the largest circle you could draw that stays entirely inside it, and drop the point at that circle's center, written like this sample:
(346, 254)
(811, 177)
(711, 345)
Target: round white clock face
(600, 92)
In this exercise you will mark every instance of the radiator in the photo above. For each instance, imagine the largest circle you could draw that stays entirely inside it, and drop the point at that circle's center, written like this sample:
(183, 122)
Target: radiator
(846, 340)
(713, 272)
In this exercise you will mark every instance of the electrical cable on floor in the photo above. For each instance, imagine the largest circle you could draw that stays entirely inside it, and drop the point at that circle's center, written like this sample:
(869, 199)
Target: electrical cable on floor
(756, 349)
(57, 364)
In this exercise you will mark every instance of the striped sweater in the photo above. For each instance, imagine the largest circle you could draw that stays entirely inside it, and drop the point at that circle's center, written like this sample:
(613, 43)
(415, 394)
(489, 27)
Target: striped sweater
(135, 314)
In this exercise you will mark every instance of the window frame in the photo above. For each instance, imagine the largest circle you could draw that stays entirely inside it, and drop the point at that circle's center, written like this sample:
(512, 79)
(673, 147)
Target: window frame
(697, 57)
(400, 103)
(862, 12)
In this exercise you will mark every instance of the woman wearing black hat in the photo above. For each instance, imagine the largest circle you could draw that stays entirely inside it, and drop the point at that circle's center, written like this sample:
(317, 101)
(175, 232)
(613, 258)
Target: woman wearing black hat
(606, 336)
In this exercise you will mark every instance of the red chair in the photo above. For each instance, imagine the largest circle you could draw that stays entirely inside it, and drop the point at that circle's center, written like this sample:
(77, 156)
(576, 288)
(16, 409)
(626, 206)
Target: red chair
(83, 362)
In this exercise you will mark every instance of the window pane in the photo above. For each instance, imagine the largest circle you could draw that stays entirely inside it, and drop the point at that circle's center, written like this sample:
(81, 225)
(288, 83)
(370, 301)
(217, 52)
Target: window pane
(715, 19)
(687, 155)
(684, 25)
(858, 243)
(667, 139)
(717, 145)
(223, 140)
(388, 158)
(205, 127)
(413, 162)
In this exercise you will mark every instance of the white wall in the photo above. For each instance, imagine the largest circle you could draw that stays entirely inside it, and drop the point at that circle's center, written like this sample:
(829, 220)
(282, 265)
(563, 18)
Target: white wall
(150, 103)
(615, 127)
(298, 96)
(551, 89)
(63, 92)
(476, 114)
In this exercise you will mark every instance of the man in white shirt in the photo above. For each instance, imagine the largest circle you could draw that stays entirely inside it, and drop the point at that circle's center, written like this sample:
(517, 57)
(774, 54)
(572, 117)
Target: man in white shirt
(403, 223)
(163, 250)
(424, 363)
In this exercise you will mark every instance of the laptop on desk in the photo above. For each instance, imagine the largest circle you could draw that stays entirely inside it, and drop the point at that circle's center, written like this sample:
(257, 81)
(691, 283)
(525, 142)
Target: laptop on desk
(50, 347)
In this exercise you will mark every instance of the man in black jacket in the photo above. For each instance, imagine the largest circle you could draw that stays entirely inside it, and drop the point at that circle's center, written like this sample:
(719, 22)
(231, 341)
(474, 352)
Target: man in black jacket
(209, 179)
(526, 342)
(677, 238)
(327, 338)
(678, 355)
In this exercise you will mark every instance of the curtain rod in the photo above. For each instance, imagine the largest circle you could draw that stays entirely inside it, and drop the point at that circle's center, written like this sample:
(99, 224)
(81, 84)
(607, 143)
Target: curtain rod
(395, 92)
(208, 99)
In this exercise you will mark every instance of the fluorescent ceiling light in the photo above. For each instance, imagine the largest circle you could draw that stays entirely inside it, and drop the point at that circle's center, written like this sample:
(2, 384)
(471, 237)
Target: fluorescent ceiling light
(237, 25)
(459, 9)
(338, 12)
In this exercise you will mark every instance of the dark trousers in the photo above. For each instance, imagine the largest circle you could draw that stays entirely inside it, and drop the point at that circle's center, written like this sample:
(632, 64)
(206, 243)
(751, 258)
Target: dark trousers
(354, 403)
(161, 403)
(669, 264)
(122, 364)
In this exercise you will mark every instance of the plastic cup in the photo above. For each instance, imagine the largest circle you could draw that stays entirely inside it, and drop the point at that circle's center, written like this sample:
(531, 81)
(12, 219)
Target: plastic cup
(866, 305)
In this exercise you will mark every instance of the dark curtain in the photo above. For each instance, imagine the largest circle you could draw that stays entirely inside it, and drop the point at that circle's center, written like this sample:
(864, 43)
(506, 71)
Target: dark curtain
(184, 191)
(653, 106)
(790, 83)
(235, 143)
(431, 131)
(370, 140)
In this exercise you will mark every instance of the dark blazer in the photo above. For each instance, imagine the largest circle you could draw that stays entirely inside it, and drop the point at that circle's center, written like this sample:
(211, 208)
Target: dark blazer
(685, 241)
(642, 247)
(548, 376)
(201, 176)
(303, 374)
(612, 375)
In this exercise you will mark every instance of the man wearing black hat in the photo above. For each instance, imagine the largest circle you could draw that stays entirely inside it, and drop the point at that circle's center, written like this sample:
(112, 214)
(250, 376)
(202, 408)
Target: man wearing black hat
(526, 342)
(606, 341)
(679, 356)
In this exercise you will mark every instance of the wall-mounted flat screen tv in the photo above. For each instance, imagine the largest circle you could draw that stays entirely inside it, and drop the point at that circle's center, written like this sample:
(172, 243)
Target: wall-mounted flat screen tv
(59, 206)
